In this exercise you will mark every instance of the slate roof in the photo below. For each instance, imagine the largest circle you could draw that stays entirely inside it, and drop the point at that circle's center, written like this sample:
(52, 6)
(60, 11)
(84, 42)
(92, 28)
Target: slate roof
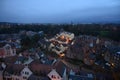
(60, 67)
(78, 77)
(113, 49)
(34, 77)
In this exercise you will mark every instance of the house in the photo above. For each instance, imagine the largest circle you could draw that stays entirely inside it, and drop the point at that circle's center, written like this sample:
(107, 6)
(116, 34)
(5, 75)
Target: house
(113, 56)
(53, 75)
(63, 37)
(16, 72)
(12, 72)
(116, 59)
(7, 50)
(58, 72)
(67, 34)
(40, 71)
(26, 73)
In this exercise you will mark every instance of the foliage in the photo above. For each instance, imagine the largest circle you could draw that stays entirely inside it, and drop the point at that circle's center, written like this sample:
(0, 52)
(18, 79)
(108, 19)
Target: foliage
(111, 31)
(29, 42)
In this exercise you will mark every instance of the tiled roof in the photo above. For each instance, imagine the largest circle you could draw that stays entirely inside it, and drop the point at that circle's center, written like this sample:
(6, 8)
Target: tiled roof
(40, 69)
(11, 59)
(14, 69)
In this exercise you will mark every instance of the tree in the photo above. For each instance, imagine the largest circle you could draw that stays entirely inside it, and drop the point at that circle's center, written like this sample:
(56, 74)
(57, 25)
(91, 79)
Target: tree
(25, 42)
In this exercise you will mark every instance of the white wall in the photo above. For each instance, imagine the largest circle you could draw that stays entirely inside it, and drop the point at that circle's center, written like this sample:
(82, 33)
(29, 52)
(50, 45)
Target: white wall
(26, 72)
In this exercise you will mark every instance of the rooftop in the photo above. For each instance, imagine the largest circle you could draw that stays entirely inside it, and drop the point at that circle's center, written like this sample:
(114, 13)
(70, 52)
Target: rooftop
(118, 53)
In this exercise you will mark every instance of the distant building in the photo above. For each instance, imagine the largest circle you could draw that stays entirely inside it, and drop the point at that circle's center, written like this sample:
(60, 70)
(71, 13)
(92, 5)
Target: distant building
(113, 56)
(65, 34)
(41, 33)
(30, 33)
(116, 59)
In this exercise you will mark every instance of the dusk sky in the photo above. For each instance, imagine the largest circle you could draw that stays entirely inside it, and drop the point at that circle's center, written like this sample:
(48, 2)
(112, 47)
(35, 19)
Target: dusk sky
(59, 11)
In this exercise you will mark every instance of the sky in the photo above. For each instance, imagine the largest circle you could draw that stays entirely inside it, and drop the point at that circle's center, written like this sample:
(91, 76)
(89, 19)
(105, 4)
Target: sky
(60, 11)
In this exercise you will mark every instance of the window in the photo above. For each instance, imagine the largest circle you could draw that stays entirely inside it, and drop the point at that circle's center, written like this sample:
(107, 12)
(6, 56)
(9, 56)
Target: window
(53, 76)
(23, 72)
(27, 73)
(24, 77)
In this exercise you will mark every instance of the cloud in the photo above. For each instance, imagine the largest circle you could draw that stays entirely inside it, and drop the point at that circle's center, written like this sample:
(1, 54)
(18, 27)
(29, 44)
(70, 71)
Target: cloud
(57, 10)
